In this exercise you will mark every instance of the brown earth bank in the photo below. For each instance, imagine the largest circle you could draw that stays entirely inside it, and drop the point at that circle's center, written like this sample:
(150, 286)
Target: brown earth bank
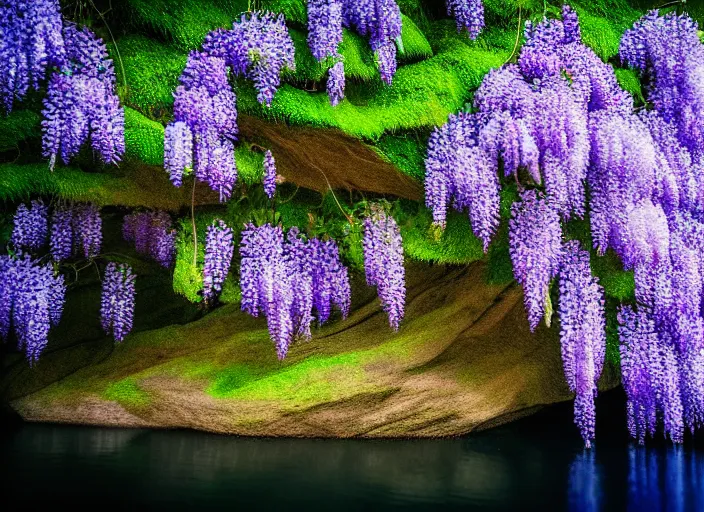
(464, 359)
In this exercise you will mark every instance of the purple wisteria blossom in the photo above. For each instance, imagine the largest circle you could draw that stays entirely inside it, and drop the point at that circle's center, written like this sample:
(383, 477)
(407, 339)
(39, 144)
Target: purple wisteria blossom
(61, 240)
(287, 278)
(469, 15)
(269, 175)
(383, 263)
(31, 43)
(88, 230)
(31, 302)
(152, 234)
(31, 226)
(582, 333)
(535, 241)
(336, 83)
(324, 27)
(117, 300)
(219, 247)
(178, 149)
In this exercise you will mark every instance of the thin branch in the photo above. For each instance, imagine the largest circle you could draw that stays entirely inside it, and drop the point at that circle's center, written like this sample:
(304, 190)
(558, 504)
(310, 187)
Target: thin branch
(193, 222)
(518, 36)
(117, 50)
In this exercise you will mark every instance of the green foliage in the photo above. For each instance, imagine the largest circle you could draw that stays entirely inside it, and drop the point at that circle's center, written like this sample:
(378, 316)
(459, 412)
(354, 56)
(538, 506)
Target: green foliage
(151, 70)
(144, 138)
(18, 126)
(629, 81)
(415, 45)
(250, 164)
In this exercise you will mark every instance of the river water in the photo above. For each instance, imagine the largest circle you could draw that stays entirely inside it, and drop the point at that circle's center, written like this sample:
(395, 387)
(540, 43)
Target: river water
(533, 464)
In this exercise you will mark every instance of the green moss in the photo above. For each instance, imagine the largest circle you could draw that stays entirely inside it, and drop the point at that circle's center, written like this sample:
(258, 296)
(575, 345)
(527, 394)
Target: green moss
(422, 95)
(144, 138)
(617, 283)
(415, 45)
(229, 379)
(303, 384)
(18, 126)
(456, 244)
(18, 182)
(188, 276)
(128, 394)
(407, 152)
(250, 164)
(151, 70)
(184, 22)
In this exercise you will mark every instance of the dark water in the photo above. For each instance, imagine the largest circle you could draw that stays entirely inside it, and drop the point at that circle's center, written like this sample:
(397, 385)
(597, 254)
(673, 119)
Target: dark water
(534, 464)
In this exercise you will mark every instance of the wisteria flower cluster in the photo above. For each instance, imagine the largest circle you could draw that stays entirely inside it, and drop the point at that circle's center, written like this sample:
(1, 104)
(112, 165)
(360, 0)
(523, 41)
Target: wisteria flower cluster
(117, 300)
(31, 43)
(74, 228)
(287, 278)
(469, 15)
(81, 102)
(152, 234)
(582, 333)
(31, 225)
(559, 124)
(383, 262)
(31, 302)
(201, 138)
(667, 51)
(219, 248)
(269, 175)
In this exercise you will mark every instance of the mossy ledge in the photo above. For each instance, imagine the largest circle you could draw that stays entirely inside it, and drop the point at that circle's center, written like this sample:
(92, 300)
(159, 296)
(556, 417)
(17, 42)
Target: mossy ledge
(463, 360)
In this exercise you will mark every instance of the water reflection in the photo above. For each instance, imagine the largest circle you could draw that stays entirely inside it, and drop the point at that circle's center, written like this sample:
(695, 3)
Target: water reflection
(516, 467)
(659, 479)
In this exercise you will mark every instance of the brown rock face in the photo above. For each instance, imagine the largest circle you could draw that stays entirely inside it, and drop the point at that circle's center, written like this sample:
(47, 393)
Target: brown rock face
(464, 359)
(322, 159)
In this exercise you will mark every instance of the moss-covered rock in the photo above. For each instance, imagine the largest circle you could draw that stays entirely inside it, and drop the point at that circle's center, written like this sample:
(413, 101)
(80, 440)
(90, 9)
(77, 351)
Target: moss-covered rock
(463, 359)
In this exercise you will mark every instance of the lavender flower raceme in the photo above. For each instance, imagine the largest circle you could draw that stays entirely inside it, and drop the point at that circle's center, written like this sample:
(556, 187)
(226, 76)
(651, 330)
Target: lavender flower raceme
(336, 83)
(469, 15)
(383, 263)
(178, 147)
(117, 301)
(87, 229)
(30, 227)
(81, 102)
(152, 234)
(269, 175)
(582, 334)
(30, 43)
(324, 27)
(219, 248)
(61, 238)
(535, 241)
(666, 50)
(31, 301)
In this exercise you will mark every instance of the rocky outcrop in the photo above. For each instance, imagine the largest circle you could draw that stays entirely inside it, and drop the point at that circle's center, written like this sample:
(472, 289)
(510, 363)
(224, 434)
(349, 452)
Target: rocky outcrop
(463, 360)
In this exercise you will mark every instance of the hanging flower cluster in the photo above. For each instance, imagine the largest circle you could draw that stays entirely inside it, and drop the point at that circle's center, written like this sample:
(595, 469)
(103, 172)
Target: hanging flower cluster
(81, 102)
(30, 226)
(582, 333)
(74, 228)
(201, 138)
(535, 241)
(380, 20)
(666, 50)
(383, 263)
(152, 234)
(558, 122)
(30, 44)
(469, 15)
(219, 247)
(286, 278)
(117, 300)
(31, 302)
(269, 175)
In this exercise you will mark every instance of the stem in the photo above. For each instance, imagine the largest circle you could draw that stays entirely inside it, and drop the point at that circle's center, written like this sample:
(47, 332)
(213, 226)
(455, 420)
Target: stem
(518, 36)
(117, 50)
(193, 223)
